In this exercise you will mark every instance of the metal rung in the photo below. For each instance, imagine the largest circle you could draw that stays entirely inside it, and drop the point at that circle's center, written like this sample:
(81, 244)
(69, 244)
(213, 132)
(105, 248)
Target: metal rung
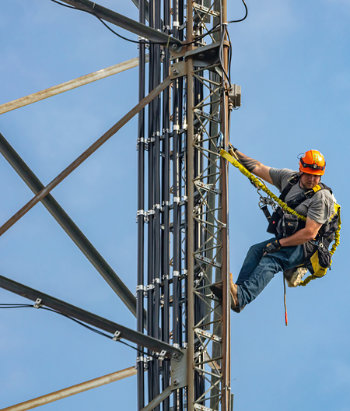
(205, 10)
(207, 260)
(202, 407)
(206, 187)
(206, 334)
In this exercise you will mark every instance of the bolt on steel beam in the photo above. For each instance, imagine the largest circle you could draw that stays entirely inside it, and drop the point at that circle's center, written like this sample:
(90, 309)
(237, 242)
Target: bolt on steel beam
(87, 317)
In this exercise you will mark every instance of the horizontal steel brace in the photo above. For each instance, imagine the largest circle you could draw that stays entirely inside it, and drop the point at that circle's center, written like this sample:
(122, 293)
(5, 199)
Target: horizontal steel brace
(126, 23)
(89, 318)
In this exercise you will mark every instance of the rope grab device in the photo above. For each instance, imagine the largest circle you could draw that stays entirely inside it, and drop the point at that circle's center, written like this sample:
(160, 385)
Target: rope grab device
(320, 259)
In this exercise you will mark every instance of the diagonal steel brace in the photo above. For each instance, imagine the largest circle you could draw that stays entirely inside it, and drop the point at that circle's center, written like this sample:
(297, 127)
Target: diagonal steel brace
(68, 225)
(86, 154)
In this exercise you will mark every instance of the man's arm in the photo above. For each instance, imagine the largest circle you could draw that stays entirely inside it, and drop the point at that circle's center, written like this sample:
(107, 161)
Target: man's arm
(254, 166)
(302, 236)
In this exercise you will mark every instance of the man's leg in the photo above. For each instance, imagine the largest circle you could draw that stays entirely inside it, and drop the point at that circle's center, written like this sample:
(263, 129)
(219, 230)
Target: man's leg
(257, 270)
(251, 261)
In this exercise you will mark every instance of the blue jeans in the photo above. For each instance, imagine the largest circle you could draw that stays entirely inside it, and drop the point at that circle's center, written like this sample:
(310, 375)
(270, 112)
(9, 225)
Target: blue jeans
(257, 271)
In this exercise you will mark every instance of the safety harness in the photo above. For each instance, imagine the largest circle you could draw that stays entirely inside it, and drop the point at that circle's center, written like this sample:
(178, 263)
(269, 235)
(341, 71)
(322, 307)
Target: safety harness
(285, 221)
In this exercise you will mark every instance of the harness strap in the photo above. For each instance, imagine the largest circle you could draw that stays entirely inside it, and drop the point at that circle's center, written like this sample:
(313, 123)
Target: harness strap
(260, 185)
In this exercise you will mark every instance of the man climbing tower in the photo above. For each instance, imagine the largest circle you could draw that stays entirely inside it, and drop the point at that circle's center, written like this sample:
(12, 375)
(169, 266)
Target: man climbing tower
(295, 240)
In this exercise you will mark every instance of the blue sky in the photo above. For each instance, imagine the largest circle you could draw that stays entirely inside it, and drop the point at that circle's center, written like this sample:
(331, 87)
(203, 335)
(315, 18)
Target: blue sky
(292, 61)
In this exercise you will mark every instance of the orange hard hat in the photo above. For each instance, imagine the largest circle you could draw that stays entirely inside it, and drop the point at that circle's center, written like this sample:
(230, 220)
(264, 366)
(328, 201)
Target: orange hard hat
(312, 162)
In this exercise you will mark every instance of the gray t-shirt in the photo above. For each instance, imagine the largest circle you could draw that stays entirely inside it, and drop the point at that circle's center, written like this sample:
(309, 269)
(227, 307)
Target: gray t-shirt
(319, 207)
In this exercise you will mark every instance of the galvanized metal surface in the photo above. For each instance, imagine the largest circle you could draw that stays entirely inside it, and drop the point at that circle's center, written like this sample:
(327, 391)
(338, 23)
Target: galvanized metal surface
(74, 389)
(125, 22)
(68, 85)
(118, 330)
(69, 226)
(86, 154)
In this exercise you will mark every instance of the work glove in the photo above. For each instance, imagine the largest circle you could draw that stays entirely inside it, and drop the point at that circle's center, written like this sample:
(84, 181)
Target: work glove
(272, 247)
(232, 150)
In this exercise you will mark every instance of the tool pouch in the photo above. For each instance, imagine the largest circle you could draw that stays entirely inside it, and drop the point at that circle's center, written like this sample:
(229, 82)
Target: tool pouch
(319, 261)
(283, 224)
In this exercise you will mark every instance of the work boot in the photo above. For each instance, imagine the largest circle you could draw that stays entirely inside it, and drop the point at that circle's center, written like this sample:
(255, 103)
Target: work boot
(234, 296)
(217, 291)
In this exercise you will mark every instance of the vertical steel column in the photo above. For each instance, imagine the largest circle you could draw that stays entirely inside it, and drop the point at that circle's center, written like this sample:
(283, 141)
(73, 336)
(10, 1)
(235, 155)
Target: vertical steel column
(224, 233)
(156, 204)
(141, 216)
(150, 236)
(190, 220)
(165, 233)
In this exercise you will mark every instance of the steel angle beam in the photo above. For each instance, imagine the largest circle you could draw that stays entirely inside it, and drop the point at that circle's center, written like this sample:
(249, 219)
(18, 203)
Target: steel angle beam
(125, 23)
(119, 331)
(68, 225)
(74, 389)
(69, 85)
(206, 55)
(86, 154)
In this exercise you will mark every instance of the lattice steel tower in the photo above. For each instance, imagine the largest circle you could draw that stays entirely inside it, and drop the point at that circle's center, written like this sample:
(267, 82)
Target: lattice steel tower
(185, 97)
(182, 207)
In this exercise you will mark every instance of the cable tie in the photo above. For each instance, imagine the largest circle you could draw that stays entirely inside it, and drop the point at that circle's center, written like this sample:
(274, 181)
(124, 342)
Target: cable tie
(116, 336)
(38, 302)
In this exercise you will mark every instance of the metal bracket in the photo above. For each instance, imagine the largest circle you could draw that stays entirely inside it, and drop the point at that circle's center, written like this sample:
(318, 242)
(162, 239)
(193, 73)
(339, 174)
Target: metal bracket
(162, 355)
(178, 375)
(178, 371)
(116, 336)
(177, 70)
(38, 303)
(202, 407)
(206, 334)
(234, 96)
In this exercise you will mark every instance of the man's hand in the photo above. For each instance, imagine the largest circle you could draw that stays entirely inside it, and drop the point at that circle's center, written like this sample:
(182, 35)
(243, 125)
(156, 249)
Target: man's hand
(272, 247)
